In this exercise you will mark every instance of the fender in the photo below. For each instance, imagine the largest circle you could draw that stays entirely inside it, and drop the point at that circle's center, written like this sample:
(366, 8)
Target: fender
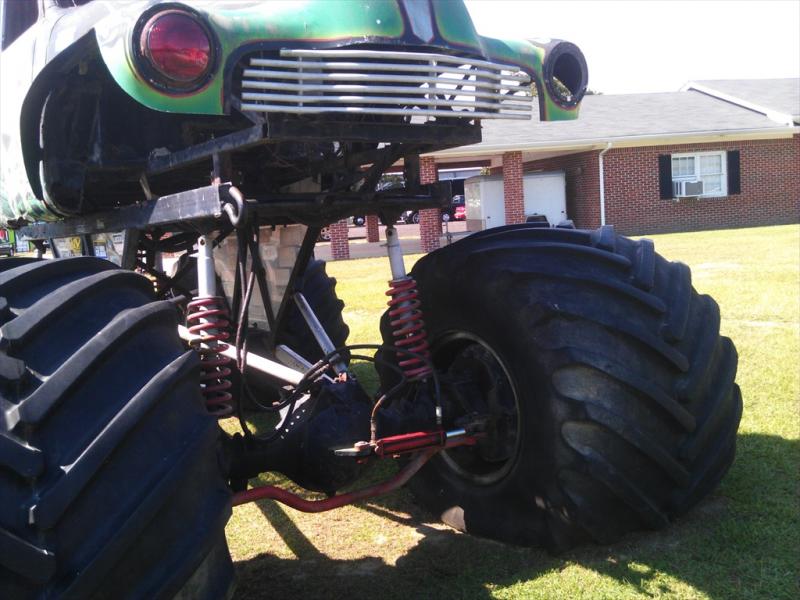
(65, 37)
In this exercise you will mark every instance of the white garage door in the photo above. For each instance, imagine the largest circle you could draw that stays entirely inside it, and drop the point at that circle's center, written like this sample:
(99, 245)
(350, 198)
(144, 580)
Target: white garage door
(545, 194)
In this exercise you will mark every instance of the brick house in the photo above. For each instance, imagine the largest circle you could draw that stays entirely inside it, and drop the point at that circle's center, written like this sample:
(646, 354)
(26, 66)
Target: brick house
(716, 154)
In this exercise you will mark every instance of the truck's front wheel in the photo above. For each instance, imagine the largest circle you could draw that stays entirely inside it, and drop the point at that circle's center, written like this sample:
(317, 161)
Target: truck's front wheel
(609, 393)
(110, 478)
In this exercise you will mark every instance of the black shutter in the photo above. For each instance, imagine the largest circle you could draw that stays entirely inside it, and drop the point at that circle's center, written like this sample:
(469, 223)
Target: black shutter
(665, 176)
(734, 173)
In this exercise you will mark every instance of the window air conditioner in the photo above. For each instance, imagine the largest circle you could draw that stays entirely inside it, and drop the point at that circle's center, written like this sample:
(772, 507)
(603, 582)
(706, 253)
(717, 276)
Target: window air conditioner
(687, 189)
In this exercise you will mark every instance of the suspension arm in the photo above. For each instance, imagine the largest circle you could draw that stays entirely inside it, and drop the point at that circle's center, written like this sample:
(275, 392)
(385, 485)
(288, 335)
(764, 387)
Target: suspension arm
(427, 444)
(254, 361)
(314, 506)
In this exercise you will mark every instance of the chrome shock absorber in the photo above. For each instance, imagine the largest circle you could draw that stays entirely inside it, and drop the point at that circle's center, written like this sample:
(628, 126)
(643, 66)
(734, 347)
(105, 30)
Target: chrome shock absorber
(405, 316)
(208, 319)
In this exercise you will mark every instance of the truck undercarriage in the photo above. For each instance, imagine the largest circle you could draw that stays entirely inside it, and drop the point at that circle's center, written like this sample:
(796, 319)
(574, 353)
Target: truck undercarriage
(538, 386)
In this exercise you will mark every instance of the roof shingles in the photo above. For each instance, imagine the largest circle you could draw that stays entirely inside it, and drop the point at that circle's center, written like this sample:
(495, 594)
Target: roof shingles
(779, 95)
(604, 118)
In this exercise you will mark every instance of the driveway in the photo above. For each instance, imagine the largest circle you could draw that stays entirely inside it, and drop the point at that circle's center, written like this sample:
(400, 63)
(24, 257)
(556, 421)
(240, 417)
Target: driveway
(403, 230)
(360, 248)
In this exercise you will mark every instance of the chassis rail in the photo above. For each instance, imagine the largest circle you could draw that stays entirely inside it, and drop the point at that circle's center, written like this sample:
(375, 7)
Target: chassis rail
(203, 207)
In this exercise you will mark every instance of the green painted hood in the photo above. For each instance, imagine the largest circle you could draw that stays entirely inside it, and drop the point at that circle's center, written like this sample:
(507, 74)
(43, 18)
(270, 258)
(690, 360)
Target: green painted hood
(242, 26)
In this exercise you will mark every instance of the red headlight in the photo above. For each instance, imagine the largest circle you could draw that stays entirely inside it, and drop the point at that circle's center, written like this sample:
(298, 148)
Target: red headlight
(177, 46)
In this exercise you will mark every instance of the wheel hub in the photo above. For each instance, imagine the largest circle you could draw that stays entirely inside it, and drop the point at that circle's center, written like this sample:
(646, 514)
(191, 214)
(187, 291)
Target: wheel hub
(477, 385)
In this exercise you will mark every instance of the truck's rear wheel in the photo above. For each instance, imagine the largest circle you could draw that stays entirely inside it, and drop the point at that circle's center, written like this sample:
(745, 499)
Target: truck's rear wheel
(611, 395)
(110, 477)
(320, 291)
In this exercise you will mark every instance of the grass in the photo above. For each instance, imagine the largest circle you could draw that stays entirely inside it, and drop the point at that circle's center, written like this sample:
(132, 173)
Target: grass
(742, 542)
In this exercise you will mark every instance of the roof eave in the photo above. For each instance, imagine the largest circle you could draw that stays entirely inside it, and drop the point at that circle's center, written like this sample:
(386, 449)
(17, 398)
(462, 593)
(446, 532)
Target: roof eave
(658, 139)
(773, 115)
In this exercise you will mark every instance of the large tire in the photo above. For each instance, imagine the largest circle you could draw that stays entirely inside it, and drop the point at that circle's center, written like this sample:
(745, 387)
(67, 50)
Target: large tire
(608, 370)
(12, 262)
(110, 479)
(320, 291)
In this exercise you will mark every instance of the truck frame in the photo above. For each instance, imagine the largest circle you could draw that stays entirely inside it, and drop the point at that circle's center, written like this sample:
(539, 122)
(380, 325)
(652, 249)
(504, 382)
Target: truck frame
(539, 386)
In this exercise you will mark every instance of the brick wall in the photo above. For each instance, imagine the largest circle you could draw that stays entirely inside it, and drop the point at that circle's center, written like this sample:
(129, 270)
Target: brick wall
(770, 178)
(514, 199)
(430, 220)
(582, 180)
(340, 245)
(278, 248)
(373, 231)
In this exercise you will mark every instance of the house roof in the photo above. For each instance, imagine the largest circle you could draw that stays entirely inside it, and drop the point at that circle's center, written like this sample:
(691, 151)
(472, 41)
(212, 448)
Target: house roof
(768, 96)
(627, 120)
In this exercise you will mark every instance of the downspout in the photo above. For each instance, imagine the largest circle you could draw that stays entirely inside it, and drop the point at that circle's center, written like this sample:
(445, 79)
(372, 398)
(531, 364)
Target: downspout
(603, 186)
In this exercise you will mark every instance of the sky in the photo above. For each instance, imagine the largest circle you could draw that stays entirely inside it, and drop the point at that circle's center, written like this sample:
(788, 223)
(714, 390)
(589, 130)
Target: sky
(657, 46)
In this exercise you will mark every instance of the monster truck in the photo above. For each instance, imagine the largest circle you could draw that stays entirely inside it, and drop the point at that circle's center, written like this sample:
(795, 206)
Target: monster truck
(564, 385)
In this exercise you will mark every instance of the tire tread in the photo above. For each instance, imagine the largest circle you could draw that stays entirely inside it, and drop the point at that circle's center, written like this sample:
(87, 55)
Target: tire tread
(73, 497)
(639, 327)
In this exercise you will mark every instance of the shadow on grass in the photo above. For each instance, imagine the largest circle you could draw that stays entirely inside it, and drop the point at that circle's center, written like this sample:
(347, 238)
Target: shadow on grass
(741, 542)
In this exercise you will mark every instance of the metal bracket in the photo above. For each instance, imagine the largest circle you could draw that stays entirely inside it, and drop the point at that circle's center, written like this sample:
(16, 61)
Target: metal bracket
(203, 203)
(203, 207)
(319, 332)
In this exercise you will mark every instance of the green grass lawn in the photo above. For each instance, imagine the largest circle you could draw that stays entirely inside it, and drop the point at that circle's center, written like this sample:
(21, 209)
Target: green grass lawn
(742, 542)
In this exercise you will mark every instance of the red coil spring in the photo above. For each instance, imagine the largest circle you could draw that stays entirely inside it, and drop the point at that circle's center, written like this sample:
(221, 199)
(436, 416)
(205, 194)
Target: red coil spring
(405, 318)
(208, 319)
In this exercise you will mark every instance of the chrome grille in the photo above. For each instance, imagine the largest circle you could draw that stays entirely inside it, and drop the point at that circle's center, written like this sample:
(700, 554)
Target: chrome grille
(377, 82)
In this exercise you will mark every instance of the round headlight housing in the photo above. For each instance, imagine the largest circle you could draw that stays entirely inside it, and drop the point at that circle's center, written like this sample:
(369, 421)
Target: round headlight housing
(178, 50)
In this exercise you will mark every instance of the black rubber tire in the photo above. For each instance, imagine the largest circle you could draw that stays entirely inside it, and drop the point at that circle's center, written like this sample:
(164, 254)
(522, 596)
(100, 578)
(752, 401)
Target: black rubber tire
(110, 476)
(320, 292)
(625, 391)
(415, 218)
(12, 262)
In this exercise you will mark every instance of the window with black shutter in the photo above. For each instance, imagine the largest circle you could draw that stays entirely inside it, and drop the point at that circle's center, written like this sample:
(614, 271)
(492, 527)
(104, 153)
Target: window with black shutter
(699, 174)
(665, 176)
(734, 173)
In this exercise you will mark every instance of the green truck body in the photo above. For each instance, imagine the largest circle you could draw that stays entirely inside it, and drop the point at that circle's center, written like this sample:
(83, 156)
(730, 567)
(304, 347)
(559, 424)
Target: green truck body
(99, 35)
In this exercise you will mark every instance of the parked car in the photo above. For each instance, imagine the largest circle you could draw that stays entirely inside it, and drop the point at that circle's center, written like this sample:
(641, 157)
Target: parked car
(456, 206)
(449, 214)
(410, 216)
(6, 243)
